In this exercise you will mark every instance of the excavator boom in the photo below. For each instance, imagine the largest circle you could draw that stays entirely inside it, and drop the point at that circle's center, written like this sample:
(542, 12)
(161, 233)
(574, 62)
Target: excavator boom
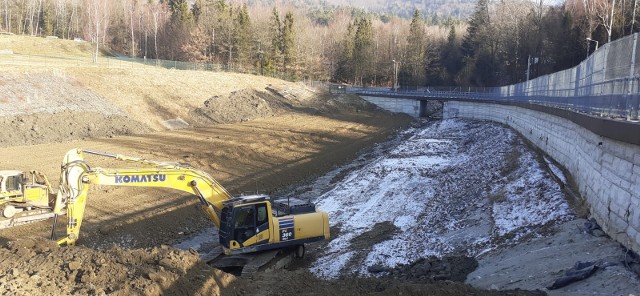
(77, 175)
(246, 224)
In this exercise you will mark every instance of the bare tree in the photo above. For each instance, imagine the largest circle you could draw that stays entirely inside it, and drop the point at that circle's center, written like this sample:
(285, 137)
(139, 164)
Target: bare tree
(97, 16)
(633, 17)
(131, 11)
(159, 14)
(585, 11)
(605, 12)
(6, 13)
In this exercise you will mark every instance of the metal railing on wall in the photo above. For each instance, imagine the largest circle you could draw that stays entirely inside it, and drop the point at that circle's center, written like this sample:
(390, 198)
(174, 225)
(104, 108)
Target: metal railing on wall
(605, 84)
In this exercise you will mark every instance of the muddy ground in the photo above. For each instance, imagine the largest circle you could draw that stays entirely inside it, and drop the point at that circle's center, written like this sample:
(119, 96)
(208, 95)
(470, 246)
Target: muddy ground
(276, 138)
(266, 140)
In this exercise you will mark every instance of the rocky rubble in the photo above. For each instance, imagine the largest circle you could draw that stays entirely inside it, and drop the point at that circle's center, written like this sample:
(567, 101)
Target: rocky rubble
(35, 267)
(452, 268)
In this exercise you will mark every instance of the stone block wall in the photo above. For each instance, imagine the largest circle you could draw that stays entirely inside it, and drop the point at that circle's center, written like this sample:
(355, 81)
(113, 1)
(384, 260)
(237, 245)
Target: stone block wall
(606, 171)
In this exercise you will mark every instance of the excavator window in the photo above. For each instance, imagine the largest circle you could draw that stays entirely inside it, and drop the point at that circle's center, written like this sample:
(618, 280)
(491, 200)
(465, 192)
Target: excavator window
(262, 214)
(244, 217)
(245, 224)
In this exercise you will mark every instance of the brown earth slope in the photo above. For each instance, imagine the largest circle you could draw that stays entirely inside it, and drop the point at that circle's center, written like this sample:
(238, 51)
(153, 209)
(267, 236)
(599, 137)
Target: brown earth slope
(251, 133)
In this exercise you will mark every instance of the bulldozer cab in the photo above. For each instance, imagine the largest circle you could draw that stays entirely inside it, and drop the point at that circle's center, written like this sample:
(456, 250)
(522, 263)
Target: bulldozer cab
(16, 187)
(11, 183)
(22, 200)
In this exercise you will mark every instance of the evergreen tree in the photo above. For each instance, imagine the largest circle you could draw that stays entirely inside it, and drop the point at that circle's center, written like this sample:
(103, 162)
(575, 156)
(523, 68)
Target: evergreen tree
(415, 65)
(276, 38)
(478, 47)
(344, 71)
(363, 50)
(477, 29)
(223, 32)
(46, 25)
(196, 10)
(242, 36)
(451, 57)
(180, 12)
(288, 42)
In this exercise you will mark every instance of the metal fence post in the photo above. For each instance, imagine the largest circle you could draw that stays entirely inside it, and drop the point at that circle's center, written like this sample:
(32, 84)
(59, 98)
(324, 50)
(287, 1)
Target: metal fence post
(631, 93)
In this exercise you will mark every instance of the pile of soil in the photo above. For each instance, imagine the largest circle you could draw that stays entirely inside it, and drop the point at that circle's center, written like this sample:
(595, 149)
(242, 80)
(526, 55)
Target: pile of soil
(242, 105)
(44, 107)
(50, 107)
(38, 128)
(36, 267)
(49, 92)
(250, 104)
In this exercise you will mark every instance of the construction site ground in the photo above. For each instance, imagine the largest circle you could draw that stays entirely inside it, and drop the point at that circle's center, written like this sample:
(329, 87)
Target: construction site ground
(252, 134)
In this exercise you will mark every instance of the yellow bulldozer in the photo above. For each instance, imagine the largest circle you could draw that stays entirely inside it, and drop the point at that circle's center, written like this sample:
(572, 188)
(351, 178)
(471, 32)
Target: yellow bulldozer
(24, 197)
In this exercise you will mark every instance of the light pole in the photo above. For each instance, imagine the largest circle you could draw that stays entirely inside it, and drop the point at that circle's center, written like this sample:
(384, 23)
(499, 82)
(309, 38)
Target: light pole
(589, 40)
(395, 75)
(528, 66)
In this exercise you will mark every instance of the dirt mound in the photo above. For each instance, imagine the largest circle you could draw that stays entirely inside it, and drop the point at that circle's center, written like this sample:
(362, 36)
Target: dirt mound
(64, 126)
(242, 105)
(46, 107)
(49, 92)
(250, 104)
(38, 267)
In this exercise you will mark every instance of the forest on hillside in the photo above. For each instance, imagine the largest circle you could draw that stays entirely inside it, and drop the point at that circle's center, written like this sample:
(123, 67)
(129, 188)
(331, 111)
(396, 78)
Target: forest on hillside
(434, 9)
(495, 45)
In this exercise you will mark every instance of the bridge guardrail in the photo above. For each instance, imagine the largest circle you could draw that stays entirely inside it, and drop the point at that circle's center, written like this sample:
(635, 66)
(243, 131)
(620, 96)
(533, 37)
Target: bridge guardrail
(614, 106)
(606, 84)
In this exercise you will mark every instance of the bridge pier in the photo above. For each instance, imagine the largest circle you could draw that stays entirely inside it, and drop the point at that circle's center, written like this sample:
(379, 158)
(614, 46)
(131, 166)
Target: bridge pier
(417, 108)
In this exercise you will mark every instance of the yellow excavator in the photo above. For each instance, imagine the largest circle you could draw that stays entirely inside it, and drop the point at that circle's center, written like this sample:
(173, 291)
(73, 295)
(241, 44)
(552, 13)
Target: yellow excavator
(246, 224)
(24, 197)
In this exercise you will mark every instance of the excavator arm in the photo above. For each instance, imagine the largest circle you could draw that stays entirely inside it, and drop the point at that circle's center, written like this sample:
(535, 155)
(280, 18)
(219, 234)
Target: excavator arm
(77, 177)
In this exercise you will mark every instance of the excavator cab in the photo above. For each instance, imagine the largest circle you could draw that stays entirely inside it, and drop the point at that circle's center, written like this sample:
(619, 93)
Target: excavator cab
(245, 222)
(257, 223)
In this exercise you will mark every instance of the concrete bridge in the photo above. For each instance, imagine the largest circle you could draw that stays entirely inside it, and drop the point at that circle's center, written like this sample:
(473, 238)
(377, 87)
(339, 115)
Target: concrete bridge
(602, 154)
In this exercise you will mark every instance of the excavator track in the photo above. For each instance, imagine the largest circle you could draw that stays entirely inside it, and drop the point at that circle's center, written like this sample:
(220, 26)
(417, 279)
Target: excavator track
(25, 217)
(246, 265)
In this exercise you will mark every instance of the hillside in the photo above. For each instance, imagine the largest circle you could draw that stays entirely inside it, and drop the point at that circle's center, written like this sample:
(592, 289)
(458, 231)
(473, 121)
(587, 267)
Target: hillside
(41, 88)
(405, 8)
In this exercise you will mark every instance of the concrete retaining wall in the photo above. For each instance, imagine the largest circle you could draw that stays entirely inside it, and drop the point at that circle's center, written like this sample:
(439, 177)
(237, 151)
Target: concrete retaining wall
(607, 171)
(400, 105)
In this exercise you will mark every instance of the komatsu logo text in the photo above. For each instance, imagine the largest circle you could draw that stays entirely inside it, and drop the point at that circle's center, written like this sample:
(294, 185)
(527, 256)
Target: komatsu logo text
(140, 178)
